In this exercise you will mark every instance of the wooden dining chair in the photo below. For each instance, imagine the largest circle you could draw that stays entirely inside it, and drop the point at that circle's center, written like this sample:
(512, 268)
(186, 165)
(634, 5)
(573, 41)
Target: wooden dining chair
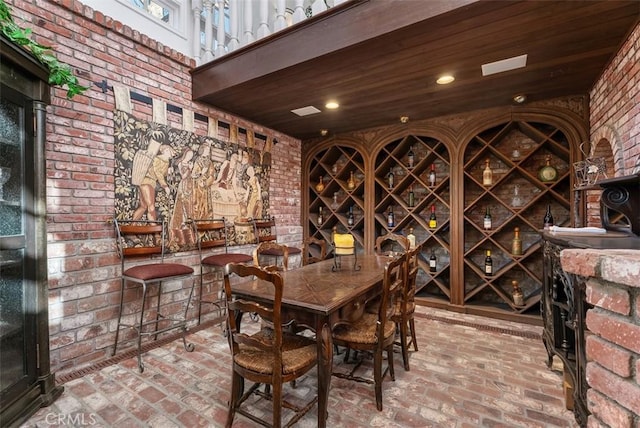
(265, 231)
(391, 243)
(137, 241)
(211, 235)
(270, 248)
(375, 333)
(271, 356)
(406, 306)
(344, 244)
(314, 250)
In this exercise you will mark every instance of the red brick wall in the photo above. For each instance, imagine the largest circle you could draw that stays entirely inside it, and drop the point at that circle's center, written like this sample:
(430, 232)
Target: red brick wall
(613, 347)
(83, 267)
(615, 114)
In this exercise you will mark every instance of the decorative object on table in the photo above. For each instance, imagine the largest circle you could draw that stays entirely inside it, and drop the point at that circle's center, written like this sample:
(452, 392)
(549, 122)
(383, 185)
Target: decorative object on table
(351, 183)
(320, 185)
(410, 158)
(432, 176)
(344, 244)
(5, 174)
(486, 223)
(547, 222)
(547, 173)
(488, 264)
(433, 222)
(518, 297)
(411, 196)
(589, 170)
(516, 201)
(487, 174)
(516, 243)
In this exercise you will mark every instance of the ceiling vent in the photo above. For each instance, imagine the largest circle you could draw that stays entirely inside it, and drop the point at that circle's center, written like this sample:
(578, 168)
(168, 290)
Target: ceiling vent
(305, 111)
(504, 65)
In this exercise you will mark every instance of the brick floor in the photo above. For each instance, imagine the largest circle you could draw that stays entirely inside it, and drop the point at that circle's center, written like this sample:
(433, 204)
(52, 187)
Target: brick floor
(470, 372)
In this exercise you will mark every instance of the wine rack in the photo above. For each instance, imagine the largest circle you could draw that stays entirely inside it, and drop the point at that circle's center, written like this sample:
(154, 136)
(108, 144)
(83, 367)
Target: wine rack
(412, 175)
(517, 197)
(341, 171)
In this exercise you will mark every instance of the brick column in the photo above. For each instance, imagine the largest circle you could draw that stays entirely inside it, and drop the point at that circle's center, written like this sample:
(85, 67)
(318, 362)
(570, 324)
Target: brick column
(613, 336)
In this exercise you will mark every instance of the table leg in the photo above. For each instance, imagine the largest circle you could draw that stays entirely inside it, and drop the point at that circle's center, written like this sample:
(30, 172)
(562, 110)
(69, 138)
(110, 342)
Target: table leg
(325, 363)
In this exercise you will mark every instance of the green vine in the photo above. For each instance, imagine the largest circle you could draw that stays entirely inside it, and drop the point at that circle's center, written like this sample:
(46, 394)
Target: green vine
(59, 74)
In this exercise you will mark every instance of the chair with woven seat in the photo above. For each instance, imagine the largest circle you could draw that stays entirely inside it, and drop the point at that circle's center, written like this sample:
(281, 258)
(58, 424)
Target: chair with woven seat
(264, 230)
(141, 240)
(391, 243)
(271, 356)
(375, 333)
(406, 307)
(269, 248)
(211, 234)
(314, 250)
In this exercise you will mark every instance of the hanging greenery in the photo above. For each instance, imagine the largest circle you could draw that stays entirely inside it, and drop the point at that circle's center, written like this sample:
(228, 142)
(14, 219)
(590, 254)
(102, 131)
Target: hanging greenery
(59, 74)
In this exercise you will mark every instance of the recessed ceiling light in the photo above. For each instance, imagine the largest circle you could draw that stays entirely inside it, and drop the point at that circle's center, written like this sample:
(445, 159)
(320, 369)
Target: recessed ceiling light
(520, 98)
(504, 65)
(404, 119)
(445, 80)
(332, 105)
(324, 132)
(305, 111)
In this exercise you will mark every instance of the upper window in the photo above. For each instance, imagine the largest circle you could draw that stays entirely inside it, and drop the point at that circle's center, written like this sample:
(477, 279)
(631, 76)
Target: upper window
(165, 11)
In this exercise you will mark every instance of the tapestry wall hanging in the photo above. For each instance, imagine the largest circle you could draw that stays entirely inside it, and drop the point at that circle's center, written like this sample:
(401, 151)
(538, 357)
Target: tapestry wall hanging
(163, 173)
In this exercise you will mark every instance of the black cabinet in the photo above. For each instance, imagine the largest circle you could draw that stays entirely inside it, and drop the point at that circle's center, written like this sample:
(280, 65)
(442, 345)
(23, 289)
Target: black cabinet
(564, 306)
(26, 382)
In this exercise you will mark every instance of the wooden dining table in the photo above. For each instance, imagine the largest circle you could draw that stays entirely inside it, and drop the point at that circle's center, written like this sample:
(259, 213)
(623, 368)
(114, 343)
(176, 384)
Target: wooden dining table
(319, 298)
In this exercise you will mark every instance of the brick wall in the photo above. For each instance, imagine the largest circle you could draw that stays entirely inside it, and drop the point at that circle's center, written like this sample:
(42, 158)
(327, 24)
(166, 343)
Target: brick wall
(613, 347)
(83, 267)
(615, 115)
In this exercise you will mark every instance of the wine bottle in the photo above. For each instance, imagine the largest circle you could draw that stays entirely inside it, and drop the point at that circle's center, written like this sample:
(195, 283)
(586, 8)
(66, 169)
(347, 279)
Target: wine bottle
(518, 297)
(516, 244)
(350, 219)
(487, 219)
(390, 178)
(320, 185)
(335, 204)
(410, 157)
(488, 264)
(391, 222)
(351, 183)
(320, 217)
(433, 260)
(433, 223)
(411, 201)
(432, 176)
(548, 219)
(487, 174)
(412, 239)
(547, 173)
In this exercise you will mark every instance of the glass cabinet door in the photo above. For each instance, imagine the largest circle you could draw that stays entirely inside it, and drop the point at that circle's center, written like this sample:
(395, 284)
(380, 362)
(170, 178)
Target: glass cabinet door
(17, 287)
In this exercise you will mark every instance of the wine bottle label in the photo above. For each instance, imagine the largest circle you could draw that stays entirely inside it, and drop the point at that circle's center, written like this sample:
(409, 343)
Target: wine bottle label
(488, 269)
(433, 224)
(432, 264)
(487, 223)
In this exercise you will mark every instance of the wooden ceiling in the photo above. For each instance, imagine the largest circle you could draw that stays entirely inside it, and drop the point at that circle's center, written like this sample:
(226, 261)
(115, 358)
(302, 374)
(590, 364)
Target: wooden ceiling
(380, 59)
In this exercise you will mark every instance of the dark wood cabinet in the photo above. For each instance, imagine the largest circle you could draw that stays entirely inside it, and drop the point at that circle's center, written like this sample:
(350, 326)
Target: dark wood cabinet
(26, 382)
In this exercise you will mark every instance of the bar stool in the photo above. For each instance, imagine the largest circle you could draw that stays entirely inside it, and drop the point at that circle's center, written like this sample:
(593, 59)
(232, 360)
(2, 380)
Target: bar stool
(211, 234)
(140, 239)
(265, 231)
